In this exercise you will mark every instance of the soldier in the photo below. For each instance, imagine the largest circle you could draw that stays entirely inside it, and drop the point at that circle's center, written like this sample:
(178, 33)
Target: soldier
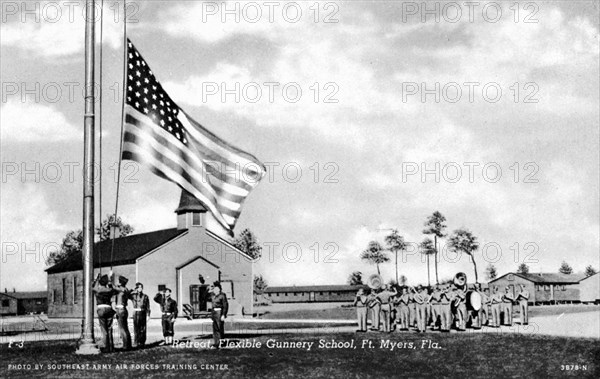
(121, 299)
(507, 302)
(403, 311)
(375, 305)
(523, 299)
(434, 300)
(360, 302)
(412, 308)
(496, 307)
(421, 298)
(141, 311)
(486, 302)
(104, 293)
(446, 299)
(168, 307)
(386, 308)
(461, 308)
(219, 313)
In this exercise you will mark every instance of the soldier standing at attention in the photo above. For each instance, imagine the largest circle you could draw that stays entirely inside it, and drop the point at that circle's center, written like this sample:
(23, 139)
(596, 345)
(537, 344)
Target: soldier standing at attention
(507, 300)
(168, 307)
(412, 308)
(104, 293)
(403, 310)
(121, 299)
(385, 297)
(141, 311)
(523, 299)
(461, 308)
(219, 313)
(435, 305)
(360, 302)
(486, 301)
(446, 299)
(421, 305)
(375, 306)
(496, 306)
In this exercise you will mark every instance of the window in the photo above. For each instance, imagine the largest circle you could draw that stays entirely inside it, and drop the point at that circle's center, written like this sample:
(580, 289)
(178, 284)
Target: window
(538, 287)
(510, 277)
(320, 293)
(196, 221)
(64, 290)
(563, 288)
(5, 303)
(74, 290)
(546, 288)
(54, 296)
(286, 294)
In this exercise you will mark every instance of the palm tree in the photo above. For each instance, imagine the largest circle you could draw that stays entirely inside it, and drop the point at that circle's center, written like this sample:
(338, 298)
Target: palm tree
(374, 254)
(464, 241)
(395, 243)
(435, 225)
(427, 249)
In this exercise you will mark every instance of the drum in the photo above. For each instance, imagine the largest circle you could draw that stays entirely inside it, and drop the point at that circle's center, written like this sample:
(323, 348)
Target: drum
(474, 300)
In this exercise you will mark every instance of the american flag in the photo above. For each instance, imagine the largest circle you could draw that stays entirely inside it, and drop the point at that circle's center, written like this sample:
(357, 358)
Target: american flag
(161, 136)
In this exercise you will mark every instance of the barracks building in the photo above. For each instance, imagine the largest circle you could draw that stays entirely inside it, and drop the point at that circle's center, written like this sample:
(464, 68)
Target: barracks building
(171, 258)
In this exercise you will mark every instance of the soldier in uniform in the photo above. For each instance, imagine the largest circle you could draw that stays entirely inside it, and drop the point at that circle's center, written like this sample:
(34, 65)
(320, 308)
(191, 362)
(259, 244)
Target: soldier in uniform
(168, 307)
(121, 299)
(360, 302)
(461, 308)
(219, 313)
(403, 311)
(412, 308)
(385, 297)
(104, 293)
(523, 299)
(421, 298)
(375, 305)
(507, 302)
(486, 301)
(435, 306)
(141, 311)
(446, 299)
(496, 307)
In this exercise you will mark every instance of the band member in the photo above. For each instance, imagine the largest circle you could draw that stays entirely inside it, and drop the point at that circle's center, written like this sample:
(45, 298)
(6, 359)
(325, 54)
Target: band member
(486, 302)
(421, 298)
(496, 307)
(403, 312)
(460, 302)
(434, 301)
(523, 299)
(507, 302)
(219, 313)
(168, 307)
(385, 297)
(360, 302)
(121, 299)
(375, 305)
(412, 308)
(104, 293)
(446, 299)
(141, 311)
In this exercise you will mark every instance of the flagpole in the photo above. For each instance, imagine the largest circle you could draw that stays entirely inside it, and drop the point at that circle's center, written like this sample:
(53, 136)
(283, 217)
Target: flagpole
(87, 344)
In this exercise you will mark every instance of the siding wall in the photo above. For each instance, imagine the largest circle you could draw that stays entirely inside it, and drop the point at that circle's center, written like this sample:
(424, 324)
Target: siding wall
(11, 309)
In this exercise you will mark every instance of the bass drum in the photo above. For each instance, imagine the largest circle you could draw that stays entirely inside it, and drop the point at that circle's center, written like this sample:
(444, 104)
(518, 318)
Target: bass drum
(474, 300)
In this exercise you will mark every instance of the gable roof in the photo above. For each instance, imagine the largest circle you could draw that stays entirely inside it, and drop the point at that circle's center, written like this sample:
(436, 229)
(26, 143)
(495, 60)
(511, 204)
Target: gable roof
(318, 288)
(545, 278)
(590, 276)
(26, 295)
(126, 251)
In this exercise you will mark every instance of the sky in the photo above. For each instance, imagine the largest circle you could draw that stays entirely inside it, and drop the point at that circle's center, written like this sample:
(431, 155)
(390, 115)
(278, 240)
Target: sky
(369, 115)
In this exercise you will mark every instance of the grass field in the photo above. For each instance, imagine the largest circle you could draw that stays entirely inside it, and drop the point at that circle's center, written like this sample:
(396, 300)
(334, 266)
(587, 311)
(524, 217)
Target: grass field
(471, 355)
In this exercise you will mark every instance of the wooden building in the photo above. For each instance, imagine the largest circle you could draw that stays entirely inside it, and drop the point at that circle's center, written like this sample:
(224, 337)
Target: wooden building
(312, 294)
(23, 303)
(172, 258)
(542, 287)
(589, 289)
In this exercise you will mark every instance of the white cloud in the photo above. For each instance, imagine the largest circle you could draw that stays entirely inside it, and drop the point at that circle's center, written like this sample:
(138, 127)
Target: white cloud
(32, 122)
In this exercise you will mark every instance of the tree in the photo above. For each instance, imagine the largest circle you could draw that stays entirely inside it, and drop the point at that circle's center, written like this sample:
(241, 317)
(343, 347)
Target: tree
(260, 284)
(374, 254)
(491, 272)
(523, 269)
(427, 249)
(103, 231)
(72, 243)
(565, 268)
(464, 241)
(435, 225)
(589, 271)
(248, 244)
(395, 243)
(355, 279)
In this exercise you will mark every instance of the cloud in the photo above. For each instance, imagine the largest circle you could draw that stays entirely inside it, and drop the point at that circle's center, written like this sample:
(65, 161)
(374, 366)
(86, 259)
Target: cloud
(32, 122)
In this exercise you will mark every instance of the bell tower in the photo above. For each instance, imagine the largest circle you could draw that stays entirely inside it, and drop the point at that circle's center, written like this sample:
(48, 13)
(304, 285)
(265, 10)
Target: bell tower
(191, 213)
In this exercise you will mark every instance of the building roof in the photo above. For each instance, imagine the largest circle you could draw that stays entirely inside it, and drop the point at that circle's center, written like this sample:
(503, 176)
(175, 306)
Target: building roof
(126, 250)
(546, 278)
(26, 295)
(320, 288)
(189, 203)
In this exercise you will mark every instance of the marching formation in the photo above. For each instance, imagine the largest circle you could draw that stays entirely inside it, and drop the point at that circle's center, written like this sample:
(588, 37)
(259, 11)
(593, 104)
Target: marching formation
(440, 307)
(112, 300)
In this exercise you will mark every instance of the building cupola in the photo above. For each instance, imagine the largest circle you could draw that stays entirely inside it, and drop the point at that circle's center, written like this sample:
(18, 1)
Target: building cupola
(191, 213)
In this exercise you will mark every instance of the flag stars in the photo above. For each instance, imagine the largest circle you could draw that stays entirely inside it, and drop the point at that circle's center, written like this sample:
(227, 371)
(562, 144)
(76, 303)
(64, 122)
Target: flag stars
(146, 110)
(137, 94)
(138, 73)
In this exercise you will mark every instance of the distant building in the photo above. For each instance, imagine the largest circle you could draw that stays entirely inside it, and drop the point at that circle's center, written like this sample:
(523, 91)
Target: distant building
(589, 289)
(312, 294)
(172, 258)
(542, 287)
(22, 303)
